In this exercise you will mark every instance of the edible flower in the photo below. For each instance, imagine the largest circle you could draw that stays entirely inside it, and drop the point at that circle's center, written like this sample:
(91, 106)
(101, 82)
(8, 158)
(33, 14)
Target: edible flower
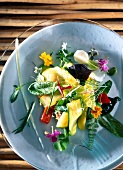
(40, 78)
(52, 136)
(64, 46)
(46, 58)
(37, 70)
(96, 112)
(103, 64)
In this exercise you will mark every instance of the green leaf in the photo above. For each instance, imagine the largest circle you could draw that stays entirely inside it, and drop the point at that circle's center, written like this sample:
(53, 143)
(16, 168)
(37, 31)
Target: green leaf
(115, 124)
(104, 88)
(61, 136)
(112, 71)
(61, 105)
(41, 88)
(66, 132)
(61, 108)
(57, 146)
(61, 145)
(112, 125)
(64, 55)
(92, 129)
(106, 125)
(14, 95)
(25, 119)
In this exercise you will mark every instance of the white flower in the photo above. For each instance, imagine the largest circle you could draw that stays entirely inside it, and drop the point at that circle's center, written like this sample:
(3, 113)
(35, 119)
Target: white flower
(81, 57)
(40, 78)
(64, 46)
(37, 70)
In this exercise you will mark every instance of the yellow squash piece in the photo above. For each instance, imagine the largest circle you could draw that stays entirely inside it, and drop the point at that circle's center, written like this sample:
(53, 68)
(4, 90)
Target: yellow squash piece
(75, 110)
(82, 120)
(55, 73)
(46, 99)
(63, 120)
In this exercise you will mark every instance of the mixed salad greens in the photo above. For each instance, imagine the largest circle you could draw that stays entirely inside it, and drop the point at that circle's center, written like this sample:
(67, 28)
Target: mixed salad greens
(74, 93)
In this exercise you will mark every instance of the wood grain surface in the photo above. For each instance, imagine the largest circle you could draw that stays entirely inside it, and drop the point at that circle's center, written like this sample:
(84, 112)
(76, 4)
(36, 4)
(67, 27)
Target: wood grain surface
(18, 15)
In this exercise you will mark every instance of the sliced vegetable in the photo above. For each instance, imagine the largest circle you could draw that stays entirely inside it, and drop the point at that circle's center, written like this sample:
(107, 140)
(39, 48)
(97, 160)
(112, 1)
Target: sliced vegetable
(47, 114)
(81, 57)
(103, 98)
(52, 74)
(74, 111)
(63, 120)
(82, 119)
(45, 99)
(61, 88)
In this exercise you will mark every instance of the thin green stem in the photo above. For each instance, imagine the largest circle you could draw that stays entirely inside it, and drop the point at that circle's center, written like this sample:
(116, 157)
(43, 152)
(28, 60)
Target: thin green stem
(24, 97)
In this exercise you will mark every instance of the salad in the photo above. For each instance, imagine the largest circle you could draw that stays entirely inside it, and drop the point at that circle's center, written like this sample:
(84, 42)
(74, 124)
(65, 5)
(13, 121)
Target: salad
(75, 94)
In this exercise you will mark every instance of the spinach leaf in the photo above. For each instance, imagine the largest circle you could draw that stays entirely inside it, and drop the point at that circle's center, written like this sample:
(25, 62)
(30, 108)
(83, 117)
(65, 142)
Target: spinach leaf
(41, 88)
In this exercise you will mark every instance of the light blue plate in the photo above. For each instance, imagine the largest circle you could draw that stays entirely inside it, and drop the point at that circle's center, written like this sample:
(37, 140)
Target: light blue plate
(26, 144)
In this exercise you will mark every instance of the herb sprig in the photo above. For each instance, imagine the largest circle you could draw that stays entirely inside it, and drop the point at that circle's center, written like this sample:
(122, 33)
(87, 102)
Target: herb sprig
(25, 120)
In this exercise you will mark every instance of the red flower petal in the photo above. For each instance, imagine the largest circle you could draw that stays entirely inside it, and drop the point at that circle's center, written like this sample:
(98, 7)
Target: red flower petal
(103, 98)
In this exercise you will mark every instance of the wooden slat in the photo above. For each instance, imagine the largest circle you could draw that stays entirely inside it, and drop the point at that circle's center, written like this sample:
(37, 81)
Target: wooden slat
(54, 1)
(9, 157)
(70, 15)
(33, 9)
(8, 168)
(43, 1)
(6, 151)
(14, 163)
(13, 33)
(1, 67)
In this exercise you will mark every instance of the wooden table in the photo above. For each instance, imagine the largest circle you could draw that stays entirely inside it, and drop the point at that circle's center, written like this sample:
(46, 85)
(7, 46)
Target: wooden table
(18, 15)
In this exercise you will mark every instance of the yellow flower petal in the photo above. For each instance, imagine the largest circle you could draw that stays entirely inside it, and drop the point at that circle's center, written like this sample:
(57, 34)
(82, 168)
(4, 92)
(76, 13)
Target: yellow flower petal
(46, 58)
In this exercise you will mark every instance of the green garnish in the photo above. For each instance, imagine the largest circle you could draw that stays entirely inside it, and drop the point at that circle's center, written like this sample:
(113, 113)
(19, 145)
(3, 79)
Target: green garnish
(25, 120)
(112, 71)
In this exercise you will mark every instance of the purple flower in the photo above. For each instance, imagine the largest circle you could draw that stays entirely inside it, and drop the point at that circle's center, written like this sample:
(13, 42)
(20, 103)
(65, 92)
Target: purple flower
(53, 136)
(103, 64)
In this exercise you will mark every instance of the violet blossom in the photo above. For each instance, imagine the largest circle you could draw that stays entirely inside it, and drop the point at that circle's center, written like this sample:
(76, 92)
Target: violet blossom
(103, 64)
(53, 135)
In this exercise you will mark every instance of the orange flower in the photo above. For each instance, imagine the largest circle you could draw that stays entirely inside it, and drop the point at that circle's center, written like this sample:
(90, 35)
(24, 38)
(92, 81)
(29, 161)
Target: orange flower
(96, 112)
